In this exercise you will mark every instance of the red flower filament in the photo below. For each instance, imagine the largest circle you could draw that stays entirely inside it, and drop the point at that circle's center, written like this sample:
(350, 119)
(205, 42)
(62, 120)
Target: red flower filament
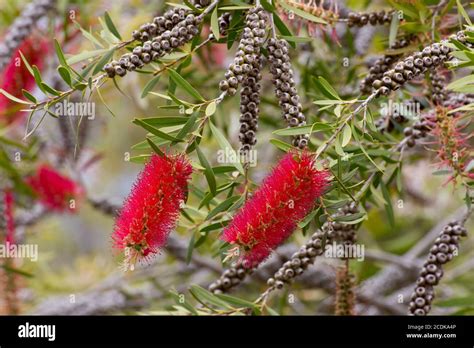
(16, 76)
(152, 208)
(286, 196)
(54, 190)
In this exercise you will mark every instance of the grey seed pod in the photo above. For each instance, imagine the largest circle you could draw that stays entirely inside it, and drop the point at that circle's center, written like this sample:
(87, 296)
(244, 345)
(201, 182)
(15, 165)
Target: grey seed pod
(421, 61)
(230, 278)
(163, 43)
(248, 53)
(285, 88)
(381, 65)
(306, 255)
(432, 271)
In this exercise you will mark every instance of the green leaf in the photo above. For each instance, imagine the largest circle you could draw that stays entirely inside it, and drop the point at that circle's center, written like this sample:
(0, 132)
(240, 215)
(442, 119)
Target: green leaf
(110, 24)
(29, 96)
(350, 219)
(235, 301)
(456, 302)
(17, 271)
(50, 89)
(150, 85)
(28, 66)
(165, 121)
(346, 135)
(235, 8)
(297, 39)
(65, 75)
(104, 60)
(155, 148)
(463, 12)
(180, 81)
(155, 131)
(38, 79)
(215, 226)
(209, 174)
(393, 29)
(462, 82)
(211, 108)
(90, 36)
(388, 205)
(60, 54)
(179, 300)
(189, 125)
(189, 253)
(283, 29)
(326, 88)
(85, 55)
(12, 97)
(205, 297)
(215, 24)
(301, 13)
(308, 219)
(223, 206)
(312, 128)
(281, 145)
(224, 144)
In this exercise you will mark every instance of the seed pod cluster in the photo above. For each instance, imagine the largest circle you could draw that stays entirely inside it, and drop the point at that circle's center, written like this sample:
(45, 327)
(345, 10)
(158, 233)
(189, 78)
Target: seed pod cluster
(224, 23)
(285, 88)
(455, 100)
(414, 65)
(160, 24)
(339, 232)
(438, 82)
(183, 32)
(440, 253)
(387, 123)
(306, 255)
(230, 278)
(359, 19)
(381, 65)
(249, 109)
(22, 27)
(345, 298)
(248, 53)
(418, 130)
(201, 3)
(391, 120)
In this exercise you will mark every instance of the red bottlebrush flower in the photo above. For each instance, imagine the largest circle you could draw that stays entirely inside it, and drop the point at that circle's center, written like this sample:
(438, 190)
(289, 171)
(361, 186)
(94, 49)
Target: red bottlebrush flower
(286, 196)
(152, 208)
(10, 223)
(54, 190)
(16, 76)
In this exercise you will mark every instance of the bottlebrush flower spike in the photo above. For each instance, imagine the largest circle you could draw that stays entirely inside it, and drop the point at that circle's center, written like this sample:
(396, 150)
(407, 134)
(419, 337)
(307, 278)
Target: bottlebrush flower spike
(16, 76)
(54, 190)
(152, 208)
(286, 196)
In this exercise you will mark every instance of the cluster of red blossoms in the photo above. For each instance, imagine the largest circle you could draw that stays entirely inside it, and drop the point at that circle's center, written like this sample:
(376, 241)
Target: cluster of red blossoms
(152, 208)
(54, 190)
(286, 196)
(16, 76)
